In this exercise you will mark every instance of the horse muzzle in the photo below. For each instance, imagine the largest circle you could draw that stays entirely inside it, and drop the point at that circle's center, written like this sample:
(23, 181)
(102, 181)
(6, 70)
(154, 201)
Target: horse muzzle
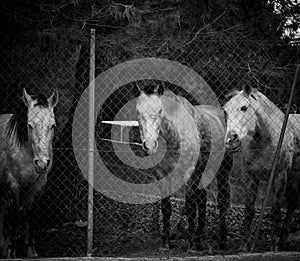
(41, 166)
(233, 142)
(150, 147)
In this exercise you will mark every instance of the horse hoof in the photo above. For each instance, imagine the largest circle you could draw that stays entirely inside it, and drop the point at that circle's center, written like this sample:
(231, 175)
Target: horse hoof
(274, 249)
(11, 254)
(208, 251)
(192, 251)
(163, 249)
(31, 253)
(223, 245)
(243, 248)
(34, 255)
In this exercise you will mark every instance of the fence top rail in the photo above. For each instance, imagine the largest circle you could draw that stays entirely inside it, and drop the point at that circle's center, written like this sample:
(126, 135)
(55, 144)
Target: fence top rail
(122, 123)
(135, 123)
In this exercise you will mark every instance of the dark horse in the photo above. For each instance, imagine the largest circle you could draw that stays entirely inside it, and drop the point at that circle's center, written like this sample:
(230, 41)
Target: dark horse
(187, 131)
(25, 160)
(253, 128)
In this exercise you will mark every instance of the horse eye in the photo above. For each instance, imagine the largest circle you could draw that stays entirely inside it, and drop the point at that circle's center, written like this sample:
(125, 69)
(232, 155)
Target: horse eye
(244, 108)
(159, 112)
(29, 126)
(225, 115)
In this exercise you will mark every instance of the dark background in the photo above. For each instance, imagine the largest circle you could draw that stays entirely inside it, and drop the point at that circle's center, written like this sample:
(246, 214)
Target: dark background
(44, 45)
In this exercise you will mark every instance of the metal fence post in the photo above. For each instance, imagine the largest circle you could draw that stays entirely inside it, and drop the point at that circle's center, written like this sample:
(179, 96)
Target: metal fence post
(91, 145)
(275, 159)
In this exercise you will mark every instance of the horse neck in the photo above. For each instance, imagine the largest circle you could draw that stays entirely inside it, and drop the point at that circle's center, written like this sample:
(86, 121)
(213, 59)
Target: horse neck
(182, 123)
(23, 148)
(14, 144)
(270, 118)
(168, 131)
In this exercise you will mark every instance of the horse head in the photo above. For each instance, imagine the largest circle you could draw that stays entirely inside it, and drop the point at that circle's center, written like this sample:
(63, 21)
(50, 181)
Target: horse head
(150, 109)
(40, 124)
(241, 116)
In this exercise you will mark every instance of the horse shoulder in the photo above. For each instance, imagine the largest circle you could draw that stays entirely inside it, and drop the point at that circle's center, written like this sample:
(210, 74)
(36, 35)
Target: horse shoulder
(295, 121)
(291, 140)
(215, 119)
(4, 119)
(9, 143)
(14, 158)
(4, 143)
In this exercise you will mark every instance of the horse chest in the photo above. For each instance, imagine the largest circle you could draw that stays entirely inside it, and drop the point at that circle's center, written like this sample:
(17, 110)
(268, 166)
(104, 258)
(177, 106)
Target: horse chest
(20, 171)
(261, 162)
(296, 162)
(22, 168)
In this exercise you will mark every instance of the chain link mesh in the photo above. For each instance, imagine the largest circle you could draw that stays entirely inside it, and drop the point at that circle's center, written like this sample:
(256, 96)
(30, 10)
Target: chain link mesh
(41, 63)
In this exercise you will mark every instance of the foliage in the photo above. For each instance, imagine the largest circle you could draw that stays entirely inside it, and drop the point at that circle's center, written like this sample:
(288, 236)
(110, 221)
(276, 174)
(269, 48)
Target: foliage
(254, 19)
(228, 42)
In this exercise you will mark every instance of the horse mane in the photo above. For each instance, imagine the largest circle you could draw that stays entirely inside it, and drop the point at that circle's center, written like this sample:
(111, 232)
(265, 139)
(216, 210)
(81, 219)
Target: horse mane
(17, 124)
(194, 112)
(181, 100)
(268, 105)
(274, 116)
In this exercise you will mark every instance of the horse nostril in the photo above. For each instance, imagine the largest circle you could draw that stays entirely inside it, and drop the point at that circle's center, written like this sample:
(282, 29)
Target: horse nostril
(41, 166)
(144, 145)
(48, 163)
(232, 137)
(147, 145)
(36, 163)
(235, 137)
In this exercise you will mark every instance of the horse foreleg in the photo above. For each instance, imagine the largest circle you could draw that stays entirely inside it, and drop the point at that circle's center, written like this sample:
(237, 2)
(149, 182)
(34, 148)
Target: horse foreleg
(166, 209)
(279, 189)
(292, 198)
(29, 240)
(191, 212)
(11, 226)
(224, 197)
(201, 239)
(3, 236)
(277, 201)
(251, 192)
(11, 239)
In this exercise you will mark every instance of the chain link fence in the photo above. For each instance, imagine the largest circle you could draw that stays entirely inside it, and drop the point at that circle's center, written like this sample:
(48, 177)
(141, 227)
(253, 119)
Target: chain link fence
(44, 62)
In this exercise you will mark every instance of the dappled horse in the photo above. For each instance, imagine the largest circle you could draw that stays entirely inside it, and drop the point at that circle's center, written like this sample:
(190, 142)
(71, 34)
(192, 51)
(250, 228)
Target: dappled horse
(253, 128)
(186, 130)
(25, 160)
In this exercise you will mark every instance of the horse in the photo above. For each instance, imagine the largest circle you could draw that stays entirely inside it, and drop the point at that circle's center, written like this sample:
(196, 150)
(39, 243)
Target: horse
(26, 155)
(186, 131)
(253, 128)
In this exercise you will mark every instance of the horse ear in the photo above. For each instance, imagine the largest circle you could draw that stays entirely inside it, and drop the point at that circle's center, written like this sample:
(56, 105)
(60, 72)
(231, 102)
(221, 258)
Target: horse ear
(231, 93)
(247, 90)
(159, 89)
(254, 90)
(53, 99)
(137, 91)
(26, 98)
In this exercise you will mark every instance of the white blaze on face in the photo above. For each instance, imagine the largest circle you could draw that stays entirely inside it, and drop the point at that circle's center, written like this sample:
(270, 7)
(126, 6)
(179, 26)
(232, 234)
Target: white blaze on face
(149, 109)
(41, 124)
(241, 118)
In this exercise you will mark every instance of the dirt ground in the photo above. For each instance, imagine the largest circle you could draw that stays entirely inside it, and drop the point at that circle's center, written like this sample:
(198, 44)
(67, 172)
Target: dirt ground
(282, 256)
